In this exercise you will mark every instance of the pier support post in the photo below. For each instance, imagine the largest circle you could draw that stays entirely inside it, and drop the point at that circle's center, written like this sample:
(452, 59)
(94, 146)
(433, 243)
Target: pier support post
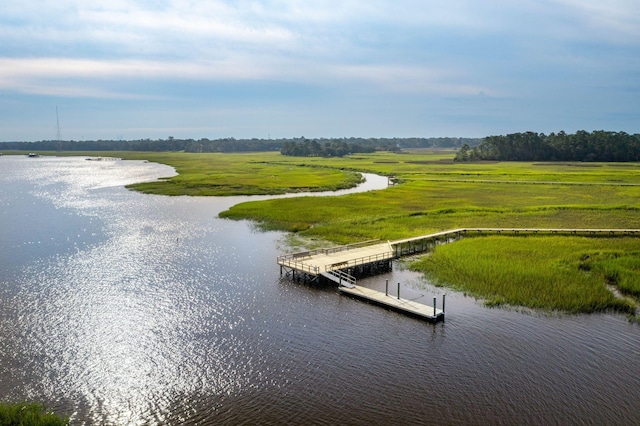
(386, 288)
(398, 291)
(443, 302)
(434, 306)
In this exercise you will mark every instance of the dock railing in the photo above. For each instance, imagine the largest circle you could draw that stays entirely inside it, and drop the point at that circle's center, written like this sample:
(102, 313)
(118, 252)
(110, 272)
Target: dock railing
(360, 261)
(349, 247)
(289, 261)
(342, 278)
(338, 249)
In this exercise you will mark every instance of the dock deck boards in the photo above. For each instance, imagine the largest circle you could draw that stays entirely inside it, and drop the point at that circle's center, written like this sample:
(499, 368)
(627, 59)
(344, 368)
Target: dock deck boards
(316, 263)
(392, 302)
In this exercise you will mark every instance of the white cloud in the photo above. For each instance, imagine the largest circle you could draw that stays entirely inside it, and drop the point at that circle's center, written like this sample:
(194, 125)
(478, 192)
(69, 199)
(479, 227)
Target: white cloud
(413, 80)
(612, 20)
(89, 78)
(86, 77)
(216, 24)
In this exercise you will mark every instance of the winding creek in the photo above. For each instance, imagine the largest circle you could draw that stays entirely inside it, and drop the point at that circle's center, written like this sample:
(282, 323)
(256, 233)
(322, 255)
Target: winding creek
(123, 308)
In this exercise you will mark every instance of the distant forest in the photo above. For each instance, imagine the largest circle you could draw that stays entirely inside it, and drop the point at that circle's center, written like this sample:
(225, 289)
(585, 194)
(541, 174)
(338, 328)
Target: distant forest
(292, 146)
(530, 146)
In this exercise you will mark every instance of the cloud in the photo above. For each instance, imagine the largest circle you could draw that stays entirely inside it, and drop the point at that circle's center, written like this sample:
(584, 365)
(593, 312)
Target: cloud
(71, 77)
(612, 21)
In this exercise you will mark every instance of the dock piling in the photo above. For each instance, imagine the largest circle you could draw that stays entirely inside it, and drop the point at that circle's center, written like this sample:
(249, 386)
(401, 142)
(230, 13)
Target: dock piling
(386, 288)
(398, 291)
(443, 302)
(434, 306)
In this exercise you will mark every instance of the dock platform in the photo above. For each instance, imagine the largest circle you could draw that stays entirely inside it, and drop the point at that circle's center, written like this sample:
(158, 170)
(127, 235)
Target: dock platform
(341, 264)
(338, 258)
(419, 310)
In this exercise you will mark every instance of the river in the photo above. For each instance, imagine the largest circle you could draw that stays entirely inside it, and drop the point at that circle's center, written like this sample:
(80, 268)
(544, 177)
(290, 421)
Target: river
(123, 308)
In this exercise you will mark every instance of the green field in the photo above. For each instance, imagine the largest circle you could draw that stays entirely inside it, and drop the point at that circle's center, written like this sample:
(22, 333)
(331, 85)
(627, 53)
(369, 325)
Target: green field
(436, 194)
(243, 174)
(570, 274)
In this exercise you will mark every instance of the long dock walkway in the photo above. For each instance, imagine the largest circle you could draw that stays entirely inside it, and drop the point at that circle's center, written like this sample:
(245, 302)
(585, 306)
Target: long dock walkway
(317, 262)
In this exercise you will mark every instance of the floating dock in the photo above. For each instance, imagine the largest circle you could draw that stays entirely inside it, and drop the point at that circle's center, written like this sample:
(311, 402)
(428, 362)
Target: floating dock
(419, 310)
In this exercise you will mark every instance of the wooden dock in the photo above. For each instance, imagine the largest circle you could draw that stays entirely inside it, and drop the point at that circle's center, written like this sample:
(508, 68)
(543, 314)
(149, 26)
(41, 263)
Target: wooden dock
(419, 310)
(338, 263)
(317, 262)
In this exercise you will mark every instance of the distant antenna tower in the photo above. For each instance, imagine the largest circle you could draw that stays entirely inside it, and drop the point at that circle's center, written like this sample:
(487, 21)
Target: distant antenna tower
(57, 126)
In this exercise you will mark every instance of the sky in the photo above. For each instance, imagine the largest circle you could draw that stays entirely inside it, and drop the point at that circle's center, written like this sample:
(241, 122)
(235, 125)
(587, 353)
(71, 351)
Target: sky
(137, 69)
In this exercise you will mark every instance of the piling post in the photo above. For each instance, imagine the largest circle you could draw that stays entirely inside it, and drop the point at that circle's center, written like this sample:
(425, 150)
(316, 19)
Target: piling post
(386, 288)
(398, 291)
(434, 306)
(443, 302)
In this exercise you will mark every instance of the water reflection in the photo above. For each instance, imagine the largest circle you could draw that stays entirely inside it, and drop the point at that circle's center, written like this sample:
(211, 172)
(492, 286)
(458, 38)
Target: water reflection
(153, 309)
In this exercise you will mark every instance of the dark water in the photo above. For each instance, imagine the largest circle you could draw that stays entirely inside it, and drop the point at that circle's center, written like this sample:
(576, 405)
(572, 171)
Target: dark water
(123, 308)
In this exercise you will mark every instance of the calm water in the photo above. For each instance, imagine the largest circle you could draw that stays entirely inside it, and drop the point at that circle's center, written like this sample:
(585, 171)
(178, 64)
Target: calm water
(123, 308)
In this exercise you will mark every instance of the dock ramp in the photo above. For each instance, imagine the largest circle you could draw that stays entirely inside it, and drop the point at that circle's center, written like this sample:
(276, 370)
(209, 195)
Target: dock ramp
(340, 277)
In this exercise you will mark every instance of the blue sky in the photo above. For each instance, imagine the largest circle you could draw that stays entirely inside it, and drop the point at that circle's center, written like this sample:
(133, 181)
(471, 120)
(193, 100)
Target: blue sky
(282, 68)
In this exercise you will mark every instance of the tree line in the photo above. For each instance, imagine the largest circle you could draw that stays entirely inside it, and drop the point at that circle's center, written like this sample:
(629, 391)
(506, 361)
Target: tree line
(335, 146)
(340, 147)
(313, 148)
(170, 144)
(530, 146)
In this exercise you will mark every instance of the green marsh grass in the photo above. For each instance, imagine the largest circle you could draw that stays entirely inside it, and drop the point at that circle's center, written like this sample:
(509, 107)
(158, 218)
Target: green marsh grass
(32, 414)
(223, 174)
(242, 174)
(569, 274)
(420, 207)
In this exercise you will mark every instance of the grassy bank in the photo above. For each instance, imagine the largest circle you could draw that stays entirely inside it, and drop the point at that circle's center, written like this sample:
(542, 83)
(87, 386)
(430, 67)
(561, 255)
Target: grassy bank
(28, 415)
(242, 174)
(223, 174)
(421, 206)
(571, 274)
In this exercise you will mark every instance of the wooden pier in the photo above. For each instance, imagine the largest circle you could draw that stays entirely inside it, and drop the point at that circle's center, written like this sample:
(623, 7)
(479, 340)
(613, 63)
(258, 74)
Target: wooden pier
(318, 262)
(340, 264)
(328, 261)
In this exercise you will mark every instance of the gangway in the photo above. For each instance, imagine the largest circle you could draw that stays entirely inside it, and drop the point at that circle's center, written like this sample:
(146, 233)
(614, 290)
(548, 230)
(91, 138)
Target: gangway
(342, 278)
